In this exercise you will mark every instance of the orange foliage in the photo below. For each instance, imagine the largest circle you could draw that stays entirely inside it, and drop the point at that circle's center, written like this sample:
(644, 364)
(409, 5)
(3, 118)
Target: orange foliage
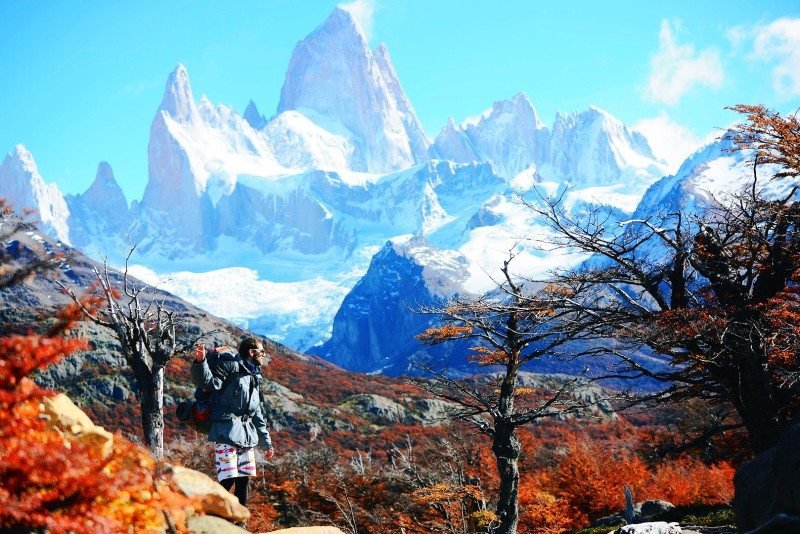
(486, 356)
(687, 481)
(51, 482)
(445, 332)
(592, 479)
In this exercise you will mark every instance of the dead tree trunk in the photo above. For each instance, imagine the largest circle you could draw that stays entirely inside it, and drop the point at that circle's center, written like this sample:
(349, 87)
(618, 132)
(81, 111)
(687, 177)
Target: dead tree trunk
(506, 448)
(145, 329)
(151, 399)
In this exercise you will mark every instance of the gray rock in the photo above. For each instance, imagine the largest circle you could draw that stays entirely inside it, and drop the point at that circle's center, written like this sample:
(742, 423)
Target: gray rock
(657, 527)
(376, 409)
(642, 512)
(654, 508)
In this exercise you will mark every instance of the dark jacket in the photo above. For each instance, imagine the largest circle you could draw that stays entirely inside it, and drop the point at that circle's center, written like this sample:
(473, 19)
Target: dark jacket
(236, 417)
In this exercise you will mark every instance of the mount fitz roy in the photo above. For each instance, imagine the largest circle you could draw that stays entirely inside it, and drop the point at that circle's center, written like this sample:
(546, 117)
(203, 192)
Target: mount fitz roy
(324, 224)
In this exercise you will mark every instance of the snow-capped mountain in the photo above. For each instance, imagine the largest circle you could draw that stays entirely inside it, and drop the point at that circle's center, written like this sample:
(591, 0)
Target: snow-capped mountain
(24, 188)
(595, 148)
(338, 83)
(271, 222)
(100, 211)
(509, 136)
(591, 148)
(374, 329)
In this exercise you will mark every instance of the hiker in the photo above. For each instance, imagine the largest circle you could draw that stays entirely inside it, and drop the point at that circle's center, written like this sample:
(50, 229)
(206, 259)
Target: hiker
(237, 424)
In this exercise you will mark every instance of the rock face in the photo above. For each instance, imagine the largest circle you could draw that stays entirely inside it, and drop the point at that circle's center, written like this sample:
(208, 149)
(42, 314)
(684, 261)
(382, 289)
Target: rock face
(375, 327)
(595, 147)
(339, 83)
(768, 487)
(509, 136)
(23, 186)
(101, 211)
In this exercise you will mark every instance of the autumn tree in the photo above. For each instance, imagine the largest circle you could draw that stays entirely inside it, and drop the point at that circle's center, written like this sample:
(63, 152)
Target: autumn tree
(507, 329)
(146, 330)
(715, 293)
(50, 482)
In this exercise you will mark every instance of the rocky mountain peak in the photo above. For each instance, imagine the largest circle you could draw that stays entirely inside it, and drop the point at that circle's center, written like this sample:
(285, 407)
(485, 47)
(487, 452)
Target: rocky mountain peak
(253, 117)
(178, 100)
(22, 158)
(24, 188)
(105, 192)
(338, 82)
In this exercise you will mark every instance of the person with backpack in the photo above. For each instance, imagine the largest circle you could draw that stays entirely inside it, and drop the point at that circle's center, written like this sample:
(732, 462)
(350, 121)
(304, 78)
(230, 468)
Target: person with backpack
(233, 379)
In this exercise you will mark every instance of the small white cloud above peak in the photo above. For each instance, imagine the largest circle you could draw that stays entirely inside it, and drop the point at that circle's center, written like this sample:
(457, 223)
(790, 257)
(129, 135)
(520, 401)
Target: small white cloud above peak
(671, 142)
(362, 13)
(675, 69)
(779, 41)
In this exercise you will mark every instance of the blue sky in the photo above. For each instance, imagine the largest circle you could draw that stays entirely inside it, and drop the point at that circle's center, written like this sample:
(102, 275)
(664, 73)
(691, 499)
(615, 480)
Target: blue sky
(81, 81)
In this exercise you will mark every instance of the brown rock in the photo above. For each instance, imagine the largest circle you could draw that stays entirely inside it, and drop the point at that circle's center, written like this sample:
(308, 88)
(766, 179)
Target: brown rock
(70, 420)
(214, 499)
(209, 524)
(308, 530)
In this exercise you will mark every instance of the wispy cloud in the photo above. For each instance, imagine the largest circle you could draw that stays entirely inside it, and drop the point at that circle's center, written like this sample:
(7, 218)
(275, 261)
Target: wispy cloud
(139, 87)
(677, 68)
(363, 12)
(670, 140)
(780, 42)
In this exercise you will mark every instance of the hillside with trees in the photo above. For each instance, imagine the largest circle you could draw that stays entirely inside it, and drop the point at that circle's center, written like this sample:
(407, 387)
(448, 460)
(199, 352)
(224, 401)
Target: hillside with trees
(503, 451)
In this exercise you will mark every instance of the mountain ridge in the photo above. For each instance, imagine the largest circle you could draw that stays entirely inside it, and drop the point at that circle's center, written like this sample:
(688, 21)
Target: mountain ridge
(288, 199)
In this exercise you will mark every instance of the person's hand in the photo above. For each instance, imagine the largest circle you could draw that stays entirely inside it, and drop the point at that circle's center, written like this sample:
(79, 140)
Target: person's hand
(200, 352)
(270, 453)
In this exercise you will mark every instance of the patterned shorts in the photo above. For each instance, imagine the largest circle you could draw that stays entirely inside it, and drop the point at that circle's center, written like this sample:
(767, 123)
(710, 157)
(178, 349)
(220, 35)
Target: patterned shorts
(234, 461)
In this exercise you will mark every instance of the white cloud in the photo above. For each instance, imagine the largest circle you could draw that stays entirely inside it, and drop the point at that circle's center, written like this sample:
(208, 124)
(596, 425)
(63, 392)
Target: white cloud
(676, 68)
(670, 141)
(363, 12)
(780, 41)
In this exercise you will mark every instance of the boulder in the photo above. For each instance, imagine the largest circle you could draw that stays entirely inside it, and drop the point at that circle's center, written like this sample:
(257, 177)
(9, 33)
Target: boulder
(63, 415)
(209, 524)
(652, 509)
(643, 512)
(767, 489)
(376, 409)
(657, 527)
(214, 499)
(308, 530)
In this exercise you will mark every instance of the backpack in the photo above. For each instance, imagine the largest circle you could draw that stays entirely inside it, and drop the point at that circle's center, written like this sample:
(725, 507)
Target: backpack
(197, 413)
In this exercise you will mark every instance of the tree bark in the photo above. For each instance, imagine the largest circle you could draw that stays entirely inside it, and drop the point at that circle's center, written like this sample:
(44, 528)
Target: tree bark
(754, 398)
(151, 398)
(506, 449)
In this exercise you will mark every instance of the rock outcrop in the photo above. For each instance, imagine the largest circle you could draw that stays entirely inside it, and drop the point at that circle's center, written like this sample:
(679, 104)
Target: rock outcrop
(767, 488)
(214, 499)
(63, 415)
(308, 530)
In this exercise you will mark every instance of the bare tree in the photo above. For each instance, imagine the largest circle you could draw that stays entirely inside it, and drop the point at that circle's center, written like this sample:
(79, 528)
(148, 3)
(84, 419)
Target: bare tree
(507, 330)
(714, 293)
(146, 330)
